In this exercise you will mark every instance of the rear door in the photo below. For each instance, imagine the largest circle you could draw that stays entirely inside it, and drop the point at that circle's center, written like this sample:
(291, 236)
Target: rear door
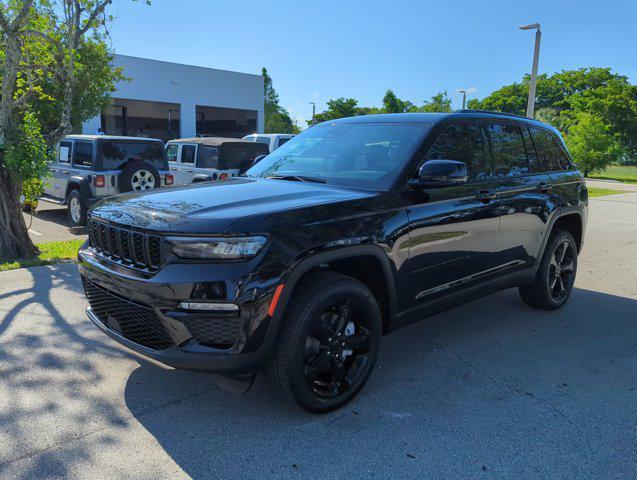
(187, 155)
(83, 164)
(56, 181)
(453, 231)
(172, 155)
(524, 194)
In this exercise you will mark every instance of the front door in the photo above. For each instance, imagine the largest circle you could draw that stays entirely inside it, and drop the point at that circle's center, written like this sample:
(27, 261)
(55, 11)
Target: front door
(453, 230)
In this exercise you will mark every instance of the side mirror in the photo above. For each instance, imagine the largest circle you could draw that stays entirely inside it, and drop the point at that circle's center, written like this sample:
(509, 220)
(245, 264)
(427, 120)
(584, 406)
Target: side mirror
(440, 173)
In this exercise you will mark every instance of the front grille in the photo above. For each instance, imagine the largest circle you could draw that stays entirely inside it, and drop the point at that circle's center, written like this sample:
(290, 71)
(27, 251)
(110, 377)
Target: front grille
(214, 332)
(125, 245)
(134, 322)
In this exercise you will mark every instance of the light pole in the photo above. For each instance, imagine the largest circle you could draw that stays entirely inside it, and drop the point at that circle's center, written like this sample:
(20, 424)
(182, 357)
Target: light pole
(530, 105)
(464, 97)
(313, 111)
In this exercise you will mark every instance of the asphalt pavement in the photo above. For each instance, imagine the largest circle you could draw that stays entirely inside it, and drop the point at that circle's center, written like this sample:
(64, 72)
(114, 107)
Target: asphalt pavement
(491, 389)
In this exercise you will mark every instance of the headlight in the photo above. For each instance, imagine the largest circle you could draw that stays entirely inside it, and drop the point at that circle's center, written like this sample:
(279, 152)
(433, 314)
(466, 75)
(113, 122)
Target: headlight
(230, 248)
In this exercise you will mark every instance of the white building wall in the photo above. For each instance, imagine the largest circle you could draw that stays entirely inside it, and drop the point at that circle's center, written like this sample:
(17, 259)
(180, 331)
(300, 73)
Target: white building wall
(187, 85)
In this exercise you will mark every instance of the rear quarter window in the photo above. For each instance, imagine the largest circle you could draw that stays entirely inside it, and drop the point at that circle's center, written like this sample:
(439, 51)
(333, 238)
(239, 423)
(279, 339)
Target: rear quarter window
(207, 156)
(116, 153)
(550, 151)
(83, 154)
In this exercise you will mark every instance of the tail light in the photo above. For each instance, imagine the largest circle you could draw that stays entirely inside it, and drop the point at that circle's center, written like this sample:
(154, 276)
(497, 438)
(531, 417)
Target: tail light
(223, 176)
(99, 181)
(168, 179)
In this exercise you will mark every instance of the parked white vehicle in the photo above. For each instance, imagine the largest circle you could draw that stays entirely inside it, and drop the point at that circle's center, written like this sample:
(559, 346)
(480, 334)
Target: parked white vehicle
(205, 159)
(272, 140)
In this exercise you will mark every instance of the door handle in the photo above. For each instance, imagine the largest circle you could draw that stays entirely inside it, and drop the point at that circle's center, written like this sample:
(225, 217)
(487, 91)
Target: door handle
(66, 172)
(189, 170)
(485, 196)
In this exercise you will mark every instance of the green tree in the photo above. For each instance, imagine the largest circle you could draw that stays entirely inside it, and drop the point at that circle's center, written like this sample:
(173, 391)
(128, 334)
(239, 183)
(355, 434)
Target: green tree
(56, 73)
(440, 102)
(561, 97)
(393, 104)
(339, 108)
(592, 143)
(277, 119)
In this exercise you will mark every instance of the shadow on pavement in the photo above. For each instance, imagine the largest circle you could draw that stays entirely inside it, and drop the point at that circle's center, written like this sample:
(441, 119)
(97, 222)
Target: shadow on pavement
(57, 216)
(48, 372)
(490, 389)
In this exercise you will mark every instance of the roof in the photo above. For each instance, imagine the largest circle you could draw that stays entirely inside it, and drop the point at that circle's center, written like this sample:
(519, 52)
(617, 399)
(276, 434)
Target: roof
(434, 117)
(109, 137)
(211, 141)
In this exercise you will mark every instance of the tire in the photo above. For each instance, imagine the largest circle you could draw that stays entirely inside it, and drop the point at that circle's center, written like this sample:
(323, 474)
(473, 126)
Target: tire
(138, 177)
(554, 281)
(315, 364)
(76, 209)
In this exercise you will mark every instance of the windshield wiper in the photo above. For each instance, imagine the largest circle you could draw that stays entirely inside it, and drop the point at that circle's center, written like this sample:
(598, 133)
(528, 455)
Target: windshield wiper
(297, 178)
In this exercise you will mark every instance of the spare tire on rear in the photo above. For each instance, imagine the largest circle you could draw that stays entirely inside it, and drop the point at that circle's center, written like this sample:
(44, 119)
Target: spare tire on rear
(139, 176)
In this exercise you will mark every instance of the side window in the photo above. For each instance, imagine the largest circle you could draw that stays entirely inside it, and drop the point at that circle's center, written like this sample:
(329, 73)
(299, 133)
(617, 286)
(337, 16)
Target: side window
(171, 152)
(531, 154)
(64, 155)
(464, 143)
(550, 151)
(83, 154)
(264, 140)
(283, 140)
(187, 154)
(507, 149)
(207, 156)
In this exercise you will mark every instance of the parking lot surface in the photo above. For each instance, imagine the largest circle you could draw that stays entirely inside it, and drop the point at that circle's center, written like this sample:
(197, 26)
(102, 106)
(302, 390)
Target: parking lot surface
(491, 389)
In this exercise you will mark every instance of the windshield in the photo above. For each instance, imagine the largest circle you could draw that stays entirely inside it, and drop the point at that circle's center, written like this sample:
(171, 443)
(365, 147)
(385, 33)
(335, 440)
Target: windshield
(360, 155)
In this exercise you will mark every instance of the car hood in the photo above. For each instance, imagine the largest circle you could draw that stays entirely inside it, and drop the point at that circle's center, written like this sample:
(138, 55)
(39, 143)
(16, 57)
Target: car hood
(212, 207)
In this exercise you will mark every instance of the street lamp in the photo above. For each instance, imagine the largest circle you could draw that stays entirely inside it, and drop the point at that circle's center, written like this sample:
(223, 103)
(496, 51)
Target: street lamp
(464, 97)
(313, 111)
(530, 105)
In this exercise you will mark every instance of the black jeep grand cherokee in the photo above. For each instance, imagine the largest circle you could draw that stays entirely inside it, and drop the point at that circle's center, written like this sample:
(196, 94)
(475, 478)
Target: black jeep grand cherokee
(351, 229)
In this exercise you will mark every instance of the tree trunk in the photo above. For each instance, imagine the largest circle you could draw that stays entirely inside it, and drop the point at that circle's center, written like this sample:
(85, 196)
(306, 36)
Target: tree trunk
(10, 67)
(14, 235)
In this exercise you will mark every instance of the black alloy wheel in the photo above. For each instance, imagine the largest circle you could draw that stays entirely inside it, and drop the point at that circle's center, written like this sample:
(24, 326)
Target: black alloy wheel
(562, 270)
(337, 348)
(329, 342)
(556, 273)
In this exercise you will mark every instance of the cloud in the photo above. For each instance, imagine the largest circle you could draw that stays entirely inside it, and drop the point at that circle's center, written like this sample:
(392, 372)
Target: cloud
(315, 95)
(471, 90)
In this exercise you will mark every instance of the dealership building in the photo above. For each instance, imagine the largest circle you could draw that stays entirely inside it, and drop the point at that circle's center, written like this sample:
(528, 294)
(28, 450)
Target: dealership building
(169, 100)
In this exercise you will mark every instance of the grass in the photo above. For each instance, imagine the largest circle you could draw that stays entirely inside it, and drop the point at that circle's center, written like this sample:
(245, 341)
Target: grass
(621, 173)
(52, 252)
(600, 192)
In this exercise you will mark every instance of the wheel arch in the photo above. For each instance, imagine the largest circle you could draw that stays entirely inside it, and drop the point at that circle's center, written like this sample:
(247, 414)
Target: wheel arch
(567, 219)
(366, 263)
(78, 183)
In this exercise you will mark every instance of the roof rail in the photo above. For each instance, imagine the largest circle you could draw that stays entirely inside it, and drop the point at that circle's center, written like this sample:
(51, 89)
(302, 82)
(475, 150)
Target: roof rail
(469, 110)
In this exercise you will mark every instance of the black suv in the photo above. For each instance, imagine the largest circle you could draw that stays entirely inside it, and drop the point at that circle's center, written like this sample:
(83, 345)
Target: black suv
(351, 229)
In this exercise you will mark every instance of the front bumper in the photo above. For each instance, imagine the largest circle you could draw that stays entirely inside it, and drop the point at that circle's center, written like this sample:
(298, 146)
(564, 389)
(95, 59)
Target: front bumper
(142, 313)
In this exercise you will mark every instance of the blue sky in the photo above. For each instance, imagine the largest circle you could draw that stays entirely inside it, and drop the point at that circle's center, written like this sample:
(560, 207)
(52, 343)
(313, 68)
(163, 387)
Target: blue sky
(322, 49)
